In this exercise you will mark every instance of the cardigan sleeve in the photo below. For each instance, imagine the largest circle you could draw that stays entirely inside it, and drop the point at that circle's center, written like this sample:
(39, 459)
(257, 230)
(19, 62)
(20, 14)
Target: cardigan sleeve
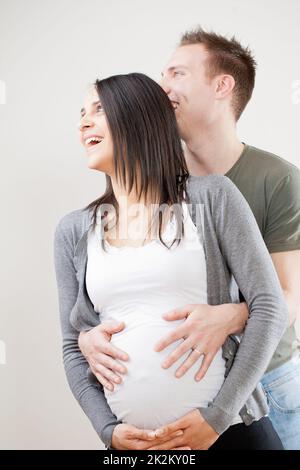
(90, 396)
(249, 261)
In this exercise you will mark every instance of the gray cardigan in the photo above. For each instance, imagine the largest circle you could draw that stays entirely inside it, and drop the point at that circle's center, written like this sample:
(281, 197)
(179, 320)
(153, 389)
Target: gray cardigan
(235, 255)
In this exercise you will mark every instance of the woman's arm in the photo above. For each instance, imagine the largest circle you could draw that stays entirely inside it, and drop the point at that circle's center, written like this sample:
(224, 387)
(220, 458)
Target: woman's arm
(249, 261)
(90, 396)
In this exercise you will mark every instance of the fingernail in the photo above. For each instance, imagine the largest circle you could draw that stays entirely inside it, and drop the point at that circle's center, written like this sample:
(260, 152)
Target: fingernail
(179, 433)
(165, 364)
(178, 374)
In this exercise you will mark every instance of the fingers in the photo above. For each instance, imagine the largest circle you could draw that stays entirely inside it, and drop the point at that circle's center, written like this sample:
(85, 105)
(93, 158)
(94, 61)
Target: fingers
(104, 381)
(112, 327)
(177, 353)
(150, 435)
(110, 363)
(178, 313)
(177, 442)
(175, 335)
(141, 434)
(172, 435)
(170, 428)
(168, 437)
(107, 347)
(188, 363)
(107, 374)
(204, 366)
(110, 350)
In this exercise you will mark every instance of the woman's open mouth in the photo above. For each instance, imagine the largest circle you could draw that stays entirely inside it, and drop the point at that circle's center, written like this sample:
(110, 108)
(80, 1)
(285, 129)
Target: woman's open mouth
(92, 141)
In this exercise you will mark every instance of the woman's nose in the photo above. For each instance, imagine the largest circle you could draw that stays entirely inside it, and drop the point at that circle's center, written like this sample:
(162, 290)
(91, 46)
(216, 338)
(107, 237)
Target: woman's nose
(84, 123)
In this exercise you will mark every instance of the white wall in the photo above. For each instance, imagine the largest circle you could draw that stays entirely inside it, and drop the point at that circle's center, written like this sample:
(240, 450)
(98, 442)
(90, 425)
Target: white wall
(49, 52)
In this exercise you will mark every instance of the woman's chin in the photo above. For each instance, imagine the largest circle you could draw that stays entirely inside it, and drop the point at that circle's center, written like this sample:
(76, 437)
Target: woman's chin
(93, 166)
(95, 162)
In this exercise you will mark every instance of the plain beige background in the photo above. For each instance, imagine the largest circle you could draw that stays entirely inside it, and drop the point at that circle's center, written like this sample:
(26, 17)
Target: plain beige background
(49, 52)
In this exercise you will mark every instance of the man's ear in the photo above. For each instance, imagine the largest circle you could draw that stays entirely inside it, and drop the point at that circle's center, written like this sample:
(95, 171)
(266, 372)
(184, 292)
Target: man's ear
(224, 85)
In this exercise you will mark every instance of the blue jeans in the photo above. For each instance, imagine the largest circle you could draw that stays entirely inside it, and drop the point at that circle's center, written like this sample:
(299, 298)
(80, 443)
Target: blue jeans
(282, 387)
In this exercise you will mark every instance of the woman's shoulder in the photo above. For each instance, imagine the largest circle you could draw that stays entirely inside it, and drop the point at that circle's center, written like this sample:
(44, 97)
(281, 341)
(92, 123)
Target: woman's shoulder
(73, 224)
(211, 186)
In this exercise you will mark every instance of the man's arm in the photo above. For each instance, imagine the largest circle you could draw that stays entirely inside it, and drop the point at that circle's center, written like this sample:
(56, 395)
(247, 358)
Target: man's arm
(248, 260)
(231, 318)
(287, 265)
(282, 235)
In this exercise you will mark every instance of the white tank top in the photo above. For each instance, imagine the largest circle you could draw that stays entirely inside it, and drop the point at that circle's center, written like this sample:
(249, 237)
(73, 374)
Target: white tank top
(138, 285)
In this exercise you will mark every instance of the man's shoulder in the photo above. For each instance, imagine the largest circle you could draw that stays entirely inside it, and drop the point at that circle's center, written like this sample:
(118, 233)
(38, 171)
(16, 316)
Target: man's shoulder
(270, 163)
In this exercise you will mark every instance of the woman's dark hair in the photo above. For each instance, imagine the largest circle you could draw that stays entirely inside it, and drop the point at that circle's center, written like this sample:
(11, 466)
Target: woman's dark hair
(146, 143)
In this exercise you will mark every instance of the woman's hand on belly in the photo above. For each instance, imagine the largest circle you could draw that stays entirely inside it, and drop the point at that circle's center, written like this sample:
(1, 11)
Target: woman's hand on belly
(102, 355)
(128, 437)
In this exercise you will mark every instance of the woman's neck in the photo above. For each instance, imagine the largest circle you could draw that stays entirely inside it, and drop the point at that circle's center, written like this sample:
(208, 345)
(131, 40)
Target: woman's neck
(123, 197)
(136, 215)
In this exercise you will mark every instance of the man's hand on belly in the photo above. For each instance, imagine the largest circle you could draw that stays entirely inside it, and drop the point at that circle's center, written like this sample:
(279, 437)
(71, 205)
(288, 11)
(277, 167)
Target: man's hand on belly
(197, 433)
(101, 355)
(204, 332)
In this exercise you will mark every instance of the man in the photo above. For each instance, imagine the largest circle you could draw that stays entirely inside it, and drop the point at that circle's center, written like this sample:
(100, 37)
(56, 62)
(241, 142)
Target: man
(210, 79)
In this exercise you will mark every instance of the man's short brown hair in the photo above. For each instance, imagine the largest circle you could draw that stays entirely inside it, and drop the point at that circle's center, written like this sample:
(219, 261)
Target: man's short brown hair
(230, 57)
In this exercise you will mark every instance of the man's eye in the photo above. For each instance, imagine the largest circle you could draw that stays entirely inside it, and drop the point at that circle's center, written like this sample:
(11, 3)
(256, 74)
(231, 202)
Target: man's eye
(99, 108)
(178, 73)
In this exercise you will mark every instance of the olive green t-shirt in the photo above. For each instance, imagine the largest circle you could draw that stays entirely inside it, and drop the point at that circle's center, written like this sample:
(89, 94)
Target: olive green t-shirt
(271, 185)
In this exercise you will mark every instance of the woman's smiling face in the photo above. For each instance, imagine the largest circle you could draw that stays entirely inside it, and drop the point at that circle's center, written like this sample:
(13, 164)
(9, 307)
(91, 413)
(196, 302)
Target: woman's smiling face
(95, 135)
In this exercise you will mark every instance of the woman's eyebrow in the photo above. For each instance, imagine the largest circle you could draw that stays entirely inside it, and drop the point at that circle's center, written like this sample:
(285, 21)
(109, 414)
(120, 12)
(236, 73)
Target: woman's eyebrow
(93, 104)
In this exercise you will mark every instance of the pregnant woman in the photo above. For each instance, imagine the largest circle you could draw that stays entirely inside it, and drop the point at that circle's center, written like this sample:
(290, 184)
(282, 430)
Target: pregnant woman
(156, 240)
(135, 284)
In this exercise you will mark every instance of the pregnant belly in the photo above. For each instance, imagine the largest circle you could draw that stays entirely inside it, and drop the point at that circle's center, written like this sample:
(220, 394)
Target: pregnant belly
(149, 395)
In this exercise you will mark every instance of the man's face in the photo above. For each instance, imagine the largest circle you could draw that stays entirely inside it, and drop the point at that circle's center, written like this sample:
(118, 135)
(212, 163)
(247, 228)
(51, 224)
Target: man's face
(191, 92)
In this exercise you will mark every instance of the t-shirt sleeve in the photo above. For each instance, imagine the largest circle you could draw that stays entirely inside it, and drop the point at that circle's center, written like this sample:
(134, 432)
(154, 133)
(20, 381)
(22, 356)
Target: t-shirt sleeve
(282, 232)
